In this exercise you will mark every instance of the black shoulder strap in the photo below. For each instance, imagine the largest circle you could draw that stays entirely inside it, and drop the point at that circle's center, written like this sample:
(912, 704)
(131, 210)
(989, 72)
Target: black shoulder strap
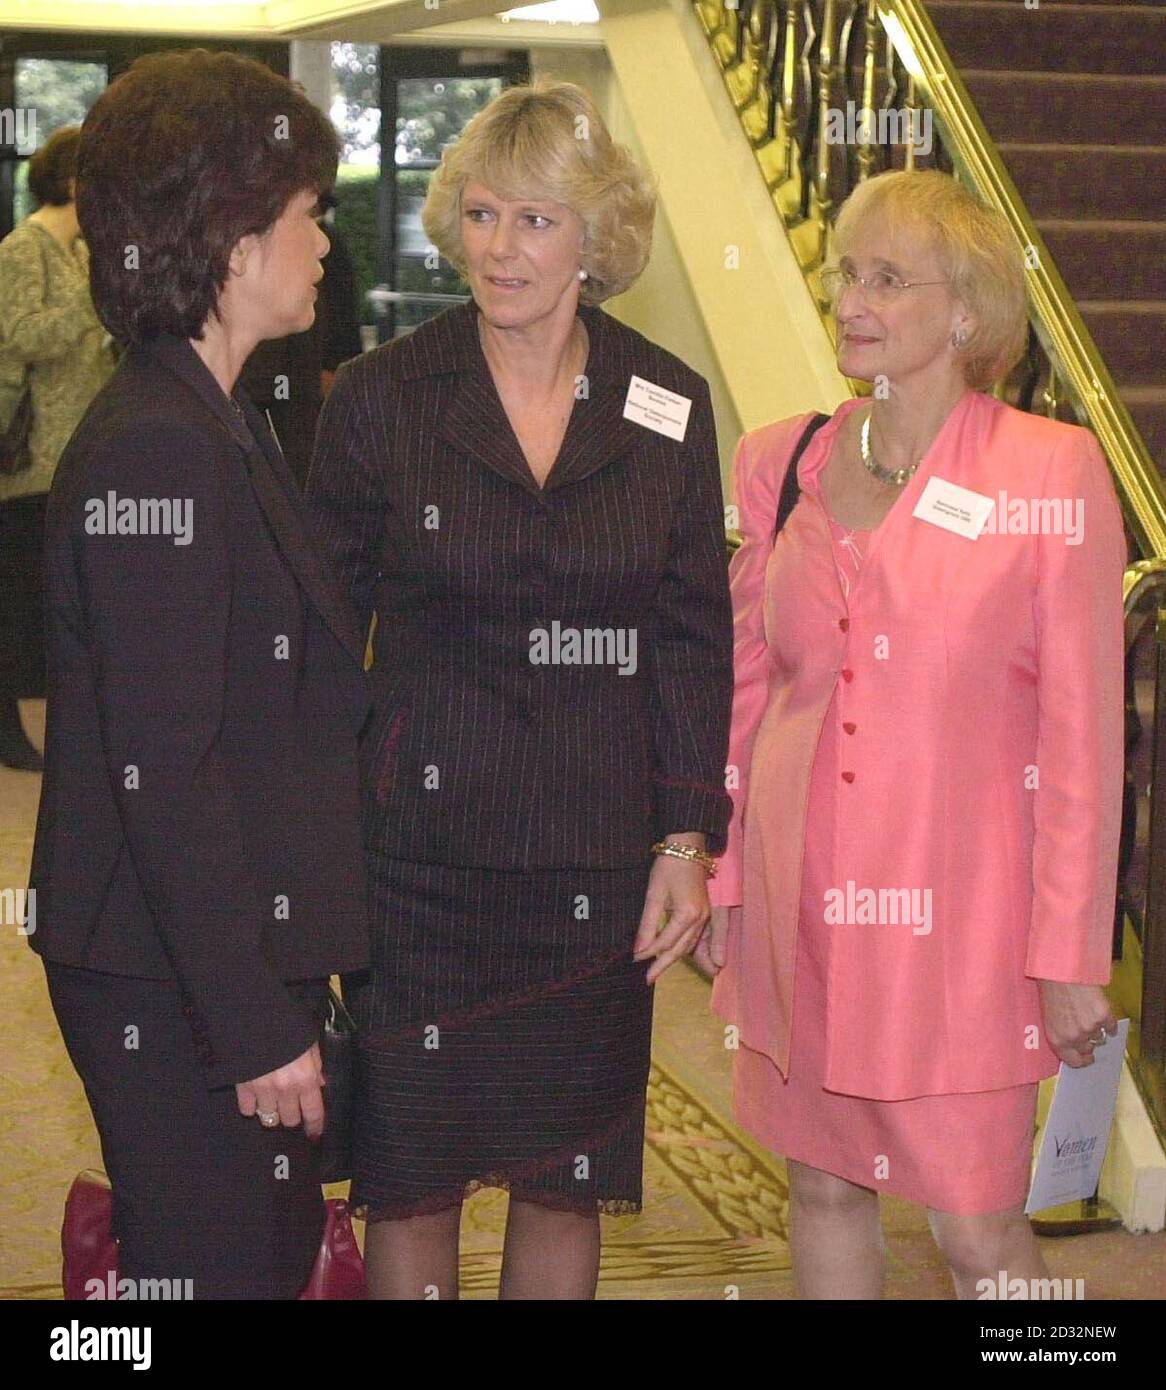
(789, 487)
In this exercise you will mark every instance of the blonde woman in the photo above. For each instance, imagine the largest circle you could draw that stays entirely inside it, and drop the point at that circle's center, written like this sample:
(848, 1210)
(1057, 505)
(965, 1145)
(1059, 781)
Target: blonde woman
(552, 681)
(915, 911)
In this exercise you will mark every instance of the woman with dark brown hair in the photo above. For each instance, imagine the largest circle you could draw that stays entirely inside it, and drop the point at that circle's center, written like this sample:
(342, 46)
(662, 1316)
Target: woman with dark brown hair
(197, 863)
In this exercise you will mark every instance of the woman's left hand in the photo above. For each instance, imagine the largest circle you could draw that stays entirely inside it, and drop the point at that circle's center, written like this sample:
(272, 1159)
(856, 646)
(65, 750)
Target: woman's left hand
(679, 889)
(1074, 1016)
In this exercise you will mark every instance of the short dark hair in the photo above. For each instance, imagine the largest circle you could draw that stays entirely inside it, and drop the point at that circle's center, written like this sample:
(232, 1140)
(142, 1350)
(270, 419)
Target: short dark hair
(180, 157)
(53, 165)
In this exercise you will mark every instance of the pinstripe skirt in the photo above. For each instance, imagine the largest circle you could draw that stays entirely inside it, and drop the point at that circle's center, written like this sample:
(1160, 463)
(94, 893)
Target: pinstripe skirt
(505, 1039)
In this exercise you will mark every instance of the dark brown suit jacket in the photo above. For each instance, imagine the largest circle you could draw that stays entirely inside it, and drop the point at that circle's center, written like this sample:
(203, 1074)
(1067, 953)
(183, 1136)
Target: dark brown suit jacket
(478, 755)
(200, 815)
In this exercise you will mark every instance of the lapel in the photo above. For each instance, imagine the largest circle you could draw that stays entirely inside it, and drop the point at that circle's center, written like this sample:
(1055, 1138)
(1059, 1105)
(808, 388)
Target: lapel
(273, 486)
(475, 421)
(900, 518)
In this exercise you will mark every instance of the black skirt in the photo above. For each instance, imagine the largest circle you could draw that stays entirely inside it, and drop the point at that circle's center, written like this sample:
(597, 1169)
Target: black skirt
(200, 1192)
(505, 1039)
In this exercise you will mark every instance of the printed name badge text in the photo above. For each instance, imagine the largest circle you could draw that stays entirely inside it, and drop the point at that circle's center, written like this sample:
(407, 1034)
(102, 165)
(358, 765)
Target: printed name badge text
(955, 508)
(657, 408)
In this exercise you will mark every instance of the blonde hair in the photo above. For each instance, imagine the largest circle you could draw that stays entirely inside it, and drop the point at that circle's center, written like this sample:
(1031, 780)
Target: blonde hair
(547, 140)
(975, 247)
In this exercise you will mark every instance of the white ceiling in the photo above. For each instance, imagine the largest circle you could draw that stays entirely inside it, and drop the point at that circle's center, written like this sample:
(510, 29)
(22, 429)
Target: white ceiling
(362, 21)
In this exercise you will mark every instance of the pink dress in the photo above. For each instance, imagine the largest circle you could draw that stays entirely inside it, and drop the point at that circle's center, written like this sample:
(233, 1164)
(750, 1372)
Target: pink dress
(962, 1153)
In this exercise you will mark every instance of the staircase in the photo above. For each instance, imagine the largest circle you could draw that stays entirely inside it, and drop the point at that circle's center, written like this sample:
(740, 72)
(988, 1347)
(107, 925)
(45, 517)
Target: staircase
(1074, 95)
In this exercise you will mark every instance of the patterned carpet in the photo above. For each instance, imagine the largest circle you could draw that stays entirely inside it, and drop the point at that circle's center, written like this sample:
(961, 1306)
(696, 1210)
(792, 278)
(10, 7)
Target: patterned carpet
(714, 1208)
(714, 1219)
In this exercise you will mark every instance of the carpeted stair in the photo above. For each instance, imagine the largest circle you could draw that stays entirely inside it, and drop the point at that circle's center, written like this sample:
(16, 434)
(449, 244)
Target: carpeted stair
(1074, 94)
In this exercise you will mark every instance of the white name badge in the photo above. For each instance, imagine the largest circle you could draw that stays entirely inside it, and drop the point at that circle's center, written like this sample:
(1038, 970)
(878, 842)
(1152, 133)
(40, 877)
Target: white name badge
(955, 508)
(657, 408)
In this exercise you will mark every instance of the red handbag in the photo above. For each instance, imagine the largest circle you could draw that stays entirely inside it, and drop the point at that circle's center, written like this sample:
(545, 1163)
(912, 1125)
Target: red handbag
(90, 1250)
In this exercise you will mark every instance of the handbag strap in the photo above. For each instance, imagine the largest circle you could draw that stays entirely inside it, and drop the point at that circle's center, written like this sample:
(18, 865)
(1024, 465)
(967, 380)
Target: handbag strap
(790, 488)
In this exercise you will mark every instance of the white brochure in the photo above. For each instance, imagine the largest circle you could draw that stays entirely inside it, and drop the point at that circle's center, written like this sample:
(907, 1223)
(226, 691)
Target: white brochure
(1076, 1133)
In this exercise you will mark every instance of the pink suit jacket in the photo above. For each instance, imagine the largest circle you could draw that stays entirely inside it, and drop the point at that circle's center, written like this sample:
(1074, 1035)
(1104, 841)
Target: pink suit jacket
(980, 688)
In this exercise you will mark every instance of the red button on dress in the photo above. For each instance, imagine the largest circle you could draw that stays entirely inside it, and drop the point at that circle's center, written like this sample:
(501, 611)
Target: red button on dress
(848, 776)
(848, 675)
(844, 624)
(850, 728)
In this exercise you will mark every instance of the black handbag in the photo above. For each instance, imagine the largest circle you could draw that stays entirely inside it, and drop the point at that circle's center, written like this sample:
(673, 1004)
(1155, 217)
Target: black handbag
(14, 453)
(339, 1057)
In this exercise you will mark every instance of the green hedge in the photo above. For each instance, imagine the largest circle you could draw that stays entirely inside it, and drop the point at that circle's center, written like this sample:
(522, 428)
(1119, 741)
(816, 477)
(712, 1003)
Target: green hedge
(356, 221)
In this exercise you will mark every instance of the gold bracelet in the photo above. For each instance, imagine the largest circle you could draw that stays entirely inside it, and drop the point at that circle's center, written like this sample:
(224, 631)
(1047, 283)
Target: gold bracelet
(689, 852)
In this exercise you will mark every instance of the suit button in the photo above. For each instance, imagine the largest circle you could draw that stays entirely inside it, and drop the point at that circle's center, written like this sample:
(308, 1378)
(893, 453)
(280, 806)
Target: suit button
(844, 624)
(850, 728)
(847, 675)
(848, 776)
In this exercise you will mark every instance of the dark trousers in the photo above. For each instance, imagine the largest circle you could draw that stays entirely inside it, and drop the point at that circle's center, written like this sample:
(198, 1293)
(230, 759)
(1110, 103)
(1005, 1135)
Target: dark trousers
(22, 635)
(199, 1191)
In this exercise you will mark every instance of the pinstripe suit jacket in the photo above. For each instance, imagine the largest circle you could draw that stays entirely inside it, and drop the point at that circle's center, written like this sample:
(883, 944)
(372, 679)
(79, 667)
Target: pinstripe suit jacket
(478, 753)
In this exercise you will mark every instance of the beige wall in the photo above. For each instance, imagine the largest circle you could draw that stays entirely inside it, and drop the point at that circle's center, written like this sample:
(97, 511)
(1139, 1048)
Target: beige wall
(660, 305)
(723, 289)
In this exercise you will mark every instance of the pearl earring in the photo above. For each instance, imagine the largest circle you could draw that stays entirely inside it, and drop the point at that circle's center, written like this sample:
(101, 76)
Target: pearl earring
(959, 338)
(582, 274)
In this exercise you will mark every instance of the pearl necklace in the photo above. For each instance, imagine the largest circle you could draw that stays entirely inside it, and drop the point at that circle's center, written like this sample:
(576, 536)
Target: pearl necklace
(897, 476)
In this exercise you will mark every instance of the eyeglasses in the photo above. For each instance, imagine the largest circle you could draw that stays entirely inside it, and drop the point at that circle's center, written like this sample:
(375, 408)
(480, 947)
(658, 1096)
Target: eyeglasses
(881, 287)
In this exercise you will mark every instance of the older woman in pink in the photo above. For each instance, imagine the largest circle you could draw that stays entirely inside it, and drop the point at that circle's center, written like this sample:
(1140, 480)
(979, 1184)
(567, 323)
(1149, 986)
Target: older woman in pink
(914, 913)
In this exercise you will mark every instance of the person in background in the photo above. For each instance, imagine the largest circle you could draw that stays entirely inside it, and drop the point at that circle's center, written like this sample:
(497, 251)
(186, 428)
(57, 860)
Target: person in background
(290, 378)
(53, 346)
(338, 312)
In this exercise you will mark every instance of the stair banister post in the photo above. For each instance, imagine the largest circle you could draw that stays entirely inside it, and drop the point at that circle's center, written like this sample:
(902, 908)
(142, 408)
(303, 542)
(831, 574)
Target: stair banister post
(788, 66)
(1051, 396)
(823, 204)
(910, 108)
(871, 26)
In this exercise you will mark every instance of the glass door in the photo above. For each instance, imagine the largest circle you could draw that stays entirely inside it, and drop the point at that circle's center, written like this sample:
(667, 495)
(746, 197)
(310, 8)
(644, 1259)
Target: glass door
(428, 96)
(39, 95)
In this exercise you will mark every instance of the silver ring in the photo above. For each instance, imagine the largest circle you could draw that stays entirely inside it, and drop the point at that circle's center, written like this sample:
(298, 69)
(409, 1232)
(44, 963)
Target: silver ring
(268, 1118)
